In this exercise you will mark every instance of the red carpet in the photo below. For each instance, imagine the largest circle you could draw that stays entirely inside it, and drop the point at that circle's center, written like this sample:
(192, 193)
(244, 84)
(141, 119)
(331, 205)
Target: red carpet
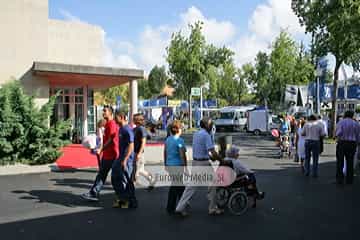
(77, 156)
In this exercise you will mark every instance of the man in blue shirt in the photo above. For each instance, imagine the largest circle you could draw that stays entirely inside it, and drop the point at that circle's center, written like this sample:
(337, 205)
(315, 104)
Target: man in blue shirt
(123, 168)
(203, 149)
(348, 137)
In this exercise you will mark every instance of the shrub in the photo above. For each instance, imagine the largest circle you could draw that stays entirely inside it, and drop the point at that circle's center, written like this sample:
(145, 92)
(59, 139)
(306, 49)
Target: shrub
(25, 135)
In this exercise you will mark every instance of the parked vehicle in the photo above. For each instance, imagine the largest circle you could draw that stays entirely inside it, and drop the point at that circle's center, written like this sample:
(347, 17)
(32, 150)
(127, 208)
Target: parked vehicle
(233, 118)
(261, 121)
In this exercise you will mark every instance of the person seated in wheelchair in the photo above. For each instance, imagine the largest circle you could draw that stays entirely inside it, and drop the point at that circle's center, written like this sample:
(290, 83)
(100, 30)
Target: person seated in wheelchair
(245, 177)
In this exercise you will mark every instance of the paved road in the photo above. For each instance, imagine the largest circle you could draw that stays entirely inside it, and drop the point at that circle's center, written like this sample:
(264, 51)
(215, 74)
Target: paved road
(47, 206)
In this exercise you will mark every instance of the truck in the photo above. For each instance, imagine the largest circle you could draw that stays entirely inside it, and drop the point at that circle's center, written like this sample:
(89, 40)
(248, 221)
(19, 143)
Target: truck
(260, 120)
(233, 117)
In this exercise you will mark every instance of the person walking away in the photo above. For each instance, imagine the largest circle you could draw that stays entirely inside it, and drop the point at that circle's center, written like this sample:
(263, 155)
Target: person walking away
(140, 136)
(300, 143)
(203, 151)
(313, 131)
(123, 167)
(175, 163)
(348, 137)
(109, 151)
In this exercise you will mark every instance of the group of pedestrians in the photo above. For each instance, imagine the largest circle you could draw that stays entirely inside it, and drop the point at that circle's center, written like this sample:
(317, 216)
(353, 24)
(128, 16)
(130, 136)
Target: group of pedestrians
(309, 144)
(174, 156)
(122, 152)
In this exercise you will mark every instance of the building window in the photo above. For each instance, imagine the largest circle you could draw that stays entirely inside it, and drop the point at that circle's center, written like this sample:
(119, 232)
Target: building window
(91, 112)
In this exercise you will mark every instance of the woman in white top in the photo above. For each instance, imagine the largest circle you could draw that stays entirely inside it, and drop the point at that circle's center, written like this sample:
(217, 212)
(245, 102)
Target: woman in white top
(300, 142)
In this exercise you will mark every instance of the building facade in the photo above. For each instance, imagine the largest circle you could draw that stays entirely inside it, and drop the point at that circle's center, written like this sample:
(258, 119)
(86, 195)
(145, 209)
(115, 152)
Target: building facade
(53, 56)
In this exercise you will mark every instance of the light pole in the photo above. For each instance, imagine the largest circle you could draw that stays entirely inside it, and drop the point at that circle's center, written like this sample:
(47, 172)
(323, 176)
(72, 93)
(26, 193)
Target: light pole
(207, 86)
(318, 74)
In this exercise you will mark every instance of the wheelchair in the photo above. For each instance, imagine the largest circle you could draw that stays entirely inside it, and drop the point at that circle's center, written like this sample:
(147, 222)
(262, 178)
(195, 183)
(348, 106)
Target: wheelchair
(236, 196)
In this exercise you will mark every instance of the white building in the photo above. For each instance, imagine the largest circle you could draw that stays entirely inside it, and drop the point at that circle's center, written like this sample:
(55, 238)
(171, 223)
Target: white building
(49, 55)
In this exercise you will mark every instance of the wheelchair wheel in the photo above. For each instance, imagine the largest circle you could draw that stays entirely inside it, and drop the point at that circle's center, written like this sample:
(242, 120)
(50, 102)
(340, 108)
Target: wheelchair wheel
(238, 203)
(222, 197)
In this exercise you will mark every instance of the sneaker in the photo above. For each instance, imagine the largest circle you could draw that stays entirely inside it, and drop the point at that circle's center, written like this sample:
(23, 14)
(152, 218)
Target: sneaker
(124, 205)
(182, 213)
(117, 203)
(216, 211)
(90, 197)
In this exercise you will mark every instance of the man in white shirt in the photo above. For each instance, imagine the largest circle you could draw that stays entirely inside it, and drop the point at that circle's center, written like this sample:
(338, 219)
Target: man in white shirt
(203, 148)
(313, 131)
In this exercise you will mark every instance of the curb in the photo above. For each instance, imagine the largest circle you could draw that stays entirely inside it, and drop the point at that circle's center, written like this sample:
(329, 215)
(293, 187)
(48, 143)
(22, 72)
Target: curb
(20, 169)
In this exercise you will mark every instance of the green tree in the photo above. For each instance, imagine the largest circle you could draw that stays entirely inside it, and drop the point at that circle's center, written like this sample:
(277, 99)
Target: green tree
(228, 83)
(283, 61)
(185, 56)
(335, 28)
(213, 78)
(263, 84)
(144, 89)
(157, 80)
(110, 94)
(304, 68)
(24, 132)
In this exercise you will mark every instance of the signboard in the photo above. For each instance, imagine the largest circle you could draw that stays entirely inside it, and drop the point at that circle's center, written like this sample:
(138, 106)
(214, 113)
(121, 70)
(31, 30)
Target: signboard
(291, 92)
(174, 103)
(195, 91)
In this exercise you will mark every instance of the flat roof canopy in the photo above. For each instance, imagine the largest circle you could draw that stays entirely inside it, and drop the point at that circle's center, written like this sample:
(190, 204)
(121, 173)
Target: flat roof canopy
(79, 75)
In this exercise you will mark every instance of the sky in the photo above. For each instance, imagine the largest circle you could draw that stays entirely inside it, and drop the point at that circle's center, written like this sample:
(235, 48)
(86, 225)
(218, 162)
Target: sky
(137, 32)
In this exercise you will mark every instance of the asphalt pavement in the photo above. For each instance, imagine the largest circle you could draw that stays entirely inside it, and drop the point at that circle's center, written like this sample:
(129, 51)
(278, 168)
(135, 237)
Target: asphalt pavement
(48, 206)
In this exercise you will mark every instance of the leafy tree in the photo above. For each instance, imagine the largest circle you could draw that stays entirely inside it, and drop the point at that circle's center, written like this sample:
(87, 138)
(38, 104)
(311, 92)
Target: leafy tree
(109, 95)
(335, 28)
(185, 57)
(144, 89)
(304, 68)
(213, 78)
(263, 84)
(193, 62)
(25, 135)
(157, 80)
(228, 84)
(283, 61)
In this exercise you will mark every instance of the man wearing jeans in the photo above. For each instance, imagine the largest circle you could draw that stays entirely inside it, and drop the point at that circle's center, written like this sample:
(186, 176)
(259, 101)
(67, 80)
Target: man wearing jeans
(203, 148)
(123, 167)
(313, 131)
(348, 136)
(110, 152)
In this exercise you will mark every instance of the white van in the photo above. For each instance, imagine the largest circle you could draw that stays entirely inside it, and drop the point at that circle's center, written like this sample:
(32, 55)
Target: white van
(233, 118)
(261, 121)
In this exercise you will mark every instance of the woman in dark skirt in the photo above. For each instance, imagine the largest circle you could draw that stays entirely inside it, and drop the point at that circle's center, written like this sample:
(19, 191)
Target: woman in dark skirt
(175, 164)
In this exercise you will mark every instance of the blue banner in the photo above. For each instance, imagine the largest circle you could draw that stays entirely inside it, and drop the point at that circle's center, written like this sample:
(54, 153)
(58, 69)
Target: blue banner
(326, 92)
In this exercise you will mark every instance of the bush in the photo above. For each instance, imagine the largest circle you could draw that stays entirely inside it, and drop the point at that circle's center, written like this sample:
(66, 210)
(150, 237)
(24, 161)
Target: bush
(25, 135)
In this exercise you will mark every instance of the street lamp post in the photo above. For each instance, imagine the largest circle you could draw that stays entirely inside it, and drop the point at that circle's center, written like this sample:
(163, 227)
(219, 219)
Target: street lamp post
(318, 74)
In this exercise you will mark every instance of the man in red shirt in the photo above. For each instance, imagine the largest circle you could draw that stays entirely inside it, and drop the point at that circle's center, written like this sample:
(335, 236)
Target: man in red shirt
(110, 152)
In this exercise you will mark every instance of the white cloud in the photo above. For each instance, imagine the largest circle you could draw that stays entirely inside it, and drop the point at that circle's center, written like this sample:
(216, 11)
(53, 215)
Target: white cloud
(265, 24)
(70, 17)
(149, 48)
(216, 32)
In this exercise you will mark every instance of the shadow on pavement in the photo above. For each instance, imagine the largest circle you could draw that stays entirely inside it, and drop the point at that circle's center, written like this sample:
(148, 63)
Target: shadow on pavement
(296, 207)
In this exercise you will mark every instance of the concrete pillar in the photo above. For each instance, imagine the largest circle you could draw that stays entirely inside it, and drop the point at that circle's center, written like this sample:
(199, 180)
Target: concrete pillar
(85, 113)
(133, 98)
